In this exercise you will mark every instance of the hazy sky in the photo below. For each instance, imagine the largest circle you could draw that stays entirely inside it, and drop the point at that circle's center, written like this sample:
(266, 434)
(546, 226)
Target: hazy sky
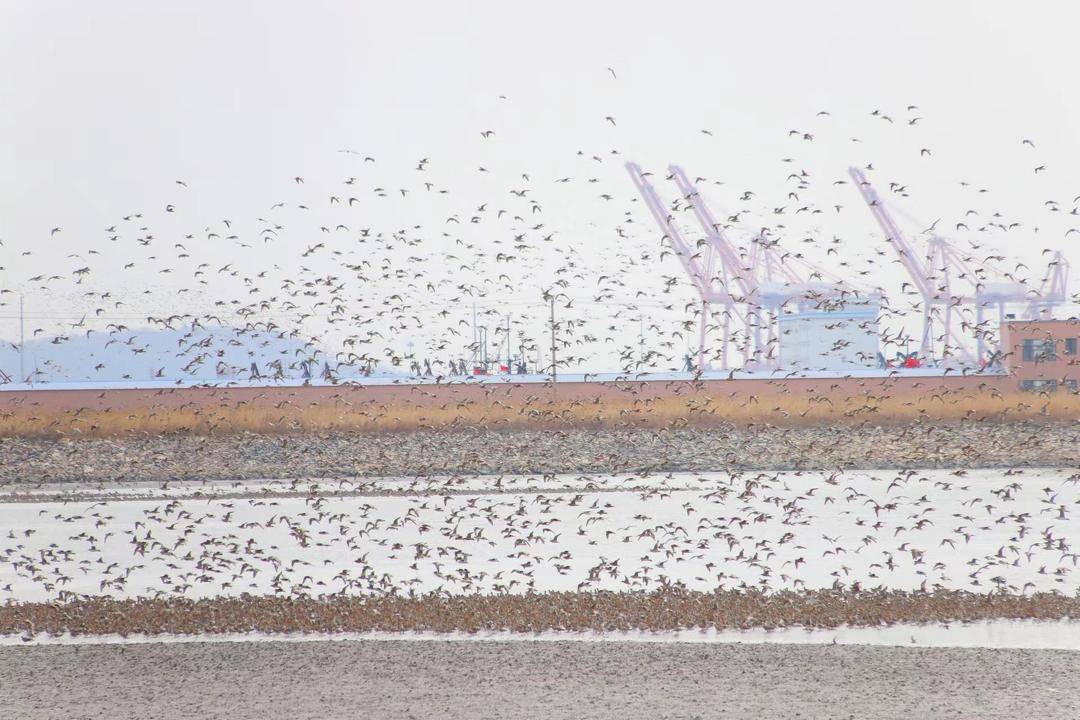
(107, 104)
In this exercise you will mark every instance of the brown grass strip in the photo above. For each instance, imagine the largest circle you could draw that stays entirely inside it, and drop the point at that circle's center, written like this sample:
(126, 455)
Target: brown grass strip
(666, 412)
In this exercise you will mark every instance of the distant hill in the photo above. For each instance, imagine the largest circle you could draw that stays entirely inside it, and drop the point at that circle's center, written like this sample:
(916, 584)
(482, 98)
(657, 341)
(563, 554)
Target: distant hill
(211, 355)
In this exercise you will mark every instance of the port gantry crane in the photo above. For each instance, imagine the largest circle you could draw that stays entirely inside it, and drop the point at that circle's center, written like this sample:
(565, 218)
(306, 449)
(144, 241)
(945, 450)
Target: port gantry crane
(713, 285)
(753, 288)
(944, 263)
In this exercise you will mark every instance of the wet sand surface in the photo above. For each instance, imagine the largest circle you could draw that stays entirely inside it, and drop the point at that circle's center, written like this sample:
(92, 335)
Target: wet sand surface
(455, 679)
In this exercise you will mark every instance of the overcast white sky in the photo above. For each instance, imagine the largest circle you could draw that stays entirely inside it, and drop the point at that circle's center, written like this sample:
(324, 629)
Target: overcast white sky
(106, 104)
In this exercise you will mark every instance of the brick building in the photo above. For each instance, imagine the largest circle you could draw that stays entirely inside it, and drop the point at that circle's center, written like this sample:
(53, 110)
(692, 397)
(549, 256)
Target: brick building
(1042, 354)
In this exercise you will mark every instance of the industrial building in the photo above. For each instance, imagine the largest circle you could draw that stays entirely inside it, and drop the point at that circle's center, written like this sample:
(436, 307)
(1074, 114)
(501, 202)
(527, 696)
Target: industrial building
(844, 338)
(1043, 355)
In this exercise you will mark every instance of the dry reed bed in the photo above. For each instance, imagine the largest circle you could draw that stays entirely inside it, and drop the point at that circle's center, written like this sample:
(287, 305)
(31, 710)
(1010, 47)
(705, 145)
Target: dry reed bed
(672, 609)
(683, 410)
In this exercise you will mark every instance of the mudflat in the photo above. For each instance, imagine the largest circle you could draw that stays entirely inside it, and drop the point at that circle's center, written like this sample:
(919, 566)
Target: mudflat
(532, 679)
(470, 451)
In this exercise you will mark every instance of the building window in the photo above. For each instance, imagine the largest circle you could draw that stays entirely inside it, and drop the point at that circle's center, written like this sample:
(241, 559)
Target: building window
(1038, 385)
(1039, 350)
(1070, 346)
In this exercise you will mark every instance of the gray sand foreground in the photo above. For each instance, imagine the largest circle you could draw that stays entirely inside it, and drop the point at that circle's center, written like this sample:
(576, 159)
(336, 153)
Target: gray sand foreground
(455, 679)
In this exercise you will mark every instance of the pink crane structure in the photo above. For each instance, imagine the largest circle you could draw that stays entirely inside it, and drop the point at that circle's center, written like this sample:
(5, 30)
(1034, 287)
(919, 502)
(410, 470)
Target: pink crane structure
(944, 264)
(753, 287)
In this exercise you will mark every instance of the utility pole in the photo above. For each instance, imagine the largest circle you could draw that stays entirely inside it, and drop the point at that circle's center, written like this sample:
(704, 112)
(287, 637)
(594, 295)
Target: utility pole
(475, 340)
(554, 372)
(509, 349)
(521, 352)
(22, 342)
(641, 341)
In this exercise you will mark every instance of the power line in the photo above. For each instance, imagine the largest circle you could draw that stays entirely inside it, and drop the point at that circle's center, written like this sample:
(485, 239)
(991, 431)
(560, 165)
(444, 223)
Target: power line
(494, 305)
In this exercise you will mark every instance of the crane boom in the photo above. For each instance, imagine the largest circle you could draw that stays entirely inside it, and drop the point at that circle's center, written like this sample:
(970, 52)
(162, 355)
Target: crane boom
(1054, 288)
(919, 273)
(728, 255)
(700, 274)
(694, 269)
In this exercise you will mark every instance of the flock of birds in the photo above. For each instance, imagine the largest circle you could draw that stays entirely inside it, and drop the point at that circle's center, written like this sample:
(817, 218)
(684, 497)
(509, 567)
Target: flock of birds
(981, 531)
(314, 279)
